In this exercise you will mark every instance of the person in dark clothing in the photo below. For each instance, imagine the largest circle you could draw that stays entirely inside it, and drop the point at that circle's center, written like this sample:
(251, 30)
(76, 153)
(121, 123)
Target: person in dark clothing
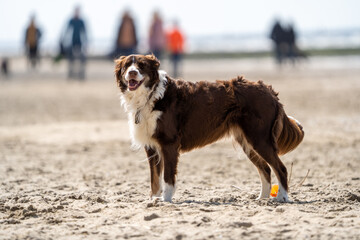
(277, 35)
(74, 42)
(5, 67)
(126, 39)
(290, 43)
(157, 37)
(32, 37)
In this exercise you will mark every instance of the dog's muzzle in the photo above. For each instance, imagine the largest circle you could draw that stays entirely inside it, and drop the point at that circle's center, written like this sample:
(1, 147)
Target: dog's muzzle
(134, 84)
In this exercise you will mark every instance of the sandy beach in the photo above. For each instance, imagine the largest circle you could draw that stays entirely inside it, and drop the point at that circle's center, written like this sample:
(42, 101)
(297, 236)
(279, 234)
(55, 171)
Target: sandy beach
(67, 170)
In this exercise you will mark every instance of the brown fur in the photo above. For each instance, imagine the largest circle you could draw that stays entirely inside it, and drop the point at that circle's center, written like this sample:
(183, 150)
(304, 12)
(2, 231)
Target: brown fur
(197, 114)
(291, 135)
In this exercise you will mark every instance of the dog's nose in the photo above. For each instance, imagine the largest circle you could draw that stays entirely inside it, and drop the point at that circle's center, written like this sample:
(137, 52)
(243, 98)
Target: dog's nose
(133, 73)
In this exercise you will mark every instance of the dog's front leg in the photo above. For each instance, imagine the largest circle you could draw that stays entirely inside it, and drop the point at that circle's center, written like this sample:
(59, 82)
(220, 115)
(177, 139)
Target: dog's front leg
(170, 153)
(156, 167)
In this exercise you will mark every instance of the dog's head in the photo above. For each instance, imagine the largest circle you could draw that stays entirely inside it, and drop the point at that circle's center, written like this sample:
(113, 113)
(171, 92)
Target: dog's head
(135, 71)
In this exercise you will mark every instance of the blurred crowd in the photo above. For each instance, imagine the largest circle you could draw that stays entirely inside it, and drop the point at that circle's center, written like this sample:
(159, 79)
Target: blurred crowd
(161, 42)
(73, 43)
(285, 46)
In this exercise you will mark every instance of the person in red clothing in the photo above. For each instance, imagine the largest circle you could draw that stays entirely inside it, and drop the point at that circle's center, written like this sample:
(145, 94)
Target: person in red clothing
(175, 41)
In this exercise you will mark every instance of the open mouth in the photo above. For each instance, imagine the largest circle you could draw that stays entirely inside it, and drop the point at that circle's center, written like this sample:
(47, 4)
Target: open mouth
(133, 84)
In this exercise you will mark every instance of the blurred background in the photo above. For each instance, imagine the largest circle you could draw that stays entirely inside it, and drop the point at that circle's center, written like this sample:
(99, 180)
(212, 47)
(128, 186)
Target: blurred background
(232, 26)
(229, 29)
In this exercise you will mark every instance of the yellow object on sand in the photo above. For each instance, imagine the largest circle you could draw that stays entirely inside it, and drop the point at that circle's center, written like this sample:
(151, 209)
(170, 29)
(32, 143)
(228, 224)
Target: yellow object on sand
(274, 190)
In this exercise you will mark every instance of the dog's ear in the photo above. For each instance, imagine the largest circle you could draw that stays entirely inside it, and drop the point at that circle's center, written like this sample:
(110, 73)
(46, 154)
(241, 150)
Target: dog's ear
(154, 61)
(119, 64)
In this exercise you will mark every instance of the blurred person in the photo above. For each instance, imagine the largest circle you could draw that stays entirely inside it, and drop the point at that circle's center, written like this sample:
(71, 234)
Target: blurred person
(126, 39)
(74, 43)
(290, 38)
(175, 40)
(157, 38)
(277, 35)
(32, 37)
(293, 51)
(5, 67)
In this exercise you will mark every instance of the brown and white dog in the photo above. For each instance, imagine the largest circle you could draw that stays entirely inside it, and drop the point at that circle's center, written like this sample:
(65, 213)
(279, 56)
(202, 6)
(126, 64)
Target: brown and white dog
(168, 117)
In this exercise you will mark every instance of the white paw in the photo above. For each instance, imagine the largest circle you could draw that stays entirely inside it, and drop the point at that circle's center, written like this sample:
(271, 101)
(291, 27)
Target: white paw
(157, 195)
(168, 192)
(282, 195)
(262, 197)
(265, 188)
(265, 193)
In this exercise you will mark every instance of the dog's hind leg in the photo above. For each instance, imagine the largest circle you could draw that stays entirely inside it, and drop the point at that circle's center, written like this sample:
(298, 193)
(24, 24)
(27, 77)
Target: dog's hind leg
(156, 167)
(268, 153)
(264, 173)
(259, 141)
(261, 165)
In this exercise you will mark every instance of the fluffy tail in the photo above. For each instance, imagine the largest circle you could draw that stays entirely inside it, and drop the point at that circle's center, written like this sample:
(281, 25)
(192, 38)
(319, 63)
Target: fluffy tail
(287, 132)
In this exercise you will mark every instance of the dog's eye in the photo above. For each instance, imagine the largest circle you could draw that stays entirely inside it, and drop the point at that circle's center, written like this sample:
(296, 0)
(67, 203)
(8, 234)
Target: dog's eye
(141, 65)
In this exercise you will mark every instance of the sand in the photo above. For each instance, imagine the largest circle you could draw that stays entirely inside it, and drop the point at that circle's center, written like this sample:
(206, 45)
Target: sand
(67, 170)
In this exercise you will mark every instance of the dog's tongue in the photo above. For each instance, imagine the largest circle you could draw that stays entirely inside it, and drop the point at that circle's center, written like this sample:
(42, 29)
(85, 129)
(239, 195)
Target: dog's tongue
(133, 83)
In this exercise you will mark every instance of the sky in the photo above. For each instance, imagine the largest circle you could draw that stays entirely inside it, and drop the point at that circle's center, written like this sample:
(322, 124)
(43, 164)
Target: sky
(196, 17)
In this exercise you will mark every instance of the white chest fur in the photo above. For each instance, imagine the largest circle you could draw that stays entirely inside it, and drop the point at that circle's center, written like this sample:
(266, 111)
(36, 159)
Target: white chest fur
(142, 131)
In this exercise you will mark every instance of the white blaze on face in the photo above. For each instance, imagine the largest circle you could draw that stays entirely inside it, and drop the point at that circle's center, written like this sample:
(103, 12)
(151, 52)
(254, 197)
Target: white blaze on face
(133, 77)
(128, 77)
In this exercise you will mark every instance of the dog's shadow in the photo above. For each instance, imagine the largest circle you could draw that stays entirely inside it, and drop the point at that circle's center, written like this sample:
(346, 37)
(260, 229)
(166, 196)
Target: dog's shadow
(263, 202)
(205, 203)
